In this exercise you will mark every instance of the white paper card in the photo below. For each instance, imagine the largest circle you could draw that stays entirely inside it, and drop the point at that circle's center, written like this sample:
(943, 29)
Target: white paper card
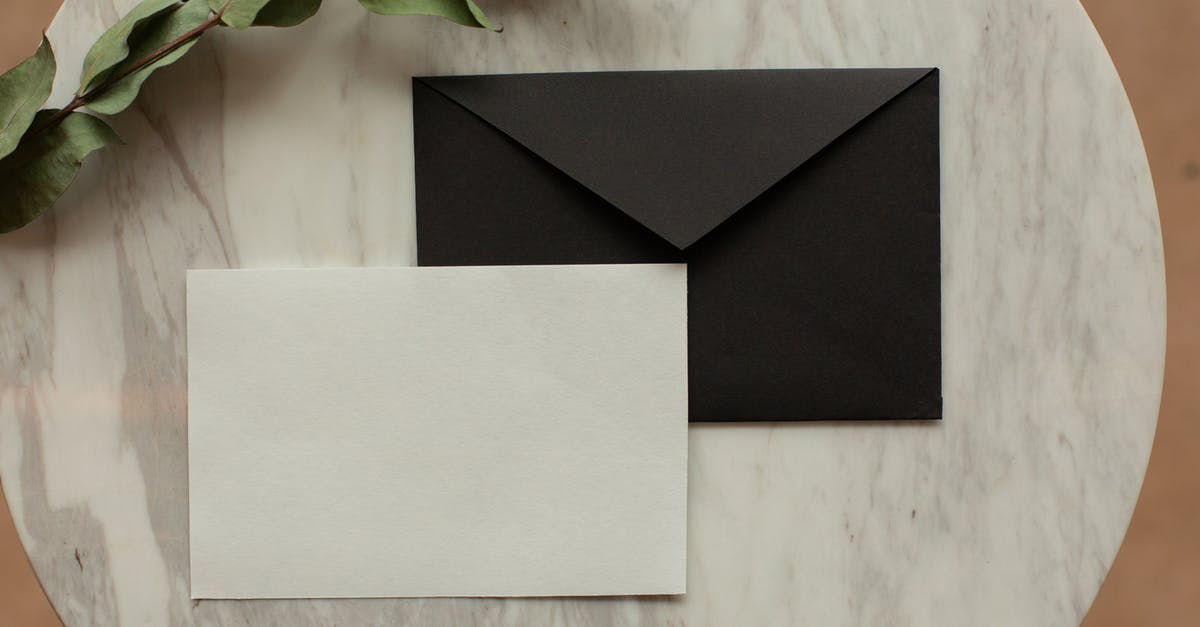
(482, 431)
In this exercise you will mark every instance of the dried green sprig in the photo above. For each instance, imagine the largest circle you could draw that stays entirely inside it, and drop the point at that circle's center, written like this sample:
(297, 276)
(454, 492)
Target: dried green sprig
(42, 150)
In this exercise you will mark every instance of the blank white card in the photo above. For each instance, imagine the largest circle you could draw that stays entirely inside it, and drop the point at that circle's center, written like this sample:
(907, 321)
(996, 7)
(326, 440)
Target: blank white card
(498, 431)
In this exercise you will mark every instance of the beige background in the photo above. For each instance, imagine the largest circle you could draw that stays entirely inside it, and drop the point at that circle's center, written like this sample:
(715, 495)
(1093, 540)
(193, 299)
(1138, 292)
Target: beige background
(1156, 579)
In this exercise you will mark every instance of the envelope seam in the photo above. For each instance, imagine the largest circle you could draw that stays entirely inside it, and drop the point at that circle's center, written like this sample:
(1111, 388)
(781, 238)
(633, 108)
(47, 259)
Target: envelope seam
(717, 225)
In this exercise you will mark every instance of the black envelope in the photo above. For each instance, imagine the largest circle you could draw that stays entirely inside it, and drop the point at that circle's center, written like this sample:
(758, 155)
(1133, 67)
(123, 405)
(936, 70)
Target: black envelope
(805, 203)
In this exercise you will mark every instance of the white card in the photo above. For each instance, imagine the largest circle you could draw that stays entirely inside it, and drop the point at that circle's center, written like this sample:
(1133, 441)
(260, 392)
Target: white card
(482, 431)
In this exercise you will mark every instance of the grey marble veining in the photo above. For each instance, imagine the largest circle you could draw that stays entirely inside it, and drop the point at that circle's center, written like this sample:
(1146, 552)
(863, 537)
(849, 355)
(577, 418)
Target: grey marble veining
(293, 148)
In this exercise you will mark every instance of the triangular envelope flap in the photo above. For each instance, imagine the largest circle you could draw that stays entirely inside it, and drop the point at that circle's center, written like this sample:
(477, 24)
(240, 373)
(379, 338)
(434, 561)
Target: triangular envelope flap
(680, 152)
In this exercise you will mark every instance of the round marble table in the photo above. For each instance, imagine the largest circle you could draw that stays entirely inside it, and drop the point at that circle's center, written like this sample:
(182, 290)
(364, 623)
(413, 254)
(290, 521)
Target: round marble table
(293, 148)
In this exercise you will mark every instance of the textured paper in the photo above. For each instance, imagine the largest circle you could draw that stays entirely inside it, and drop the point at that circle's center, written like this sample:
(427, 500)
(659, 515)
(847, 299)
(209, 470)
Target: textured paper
(805, 202)
(502, 431)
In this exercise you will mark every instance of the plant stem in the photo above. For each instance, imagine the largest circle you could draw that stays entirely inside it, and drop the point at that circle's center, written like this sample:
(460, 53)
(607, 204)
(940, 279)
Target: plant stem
(116, 77)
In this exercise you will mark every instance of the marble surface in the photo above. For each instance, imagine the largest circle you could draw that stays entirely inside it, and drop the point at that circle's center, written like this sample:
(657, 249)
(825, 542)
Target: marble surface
(292, 148)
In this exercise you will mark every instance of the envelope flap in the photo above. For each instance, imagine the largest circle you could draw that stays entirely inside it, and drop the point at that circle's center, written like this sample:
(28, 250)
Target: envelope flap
(680, 152)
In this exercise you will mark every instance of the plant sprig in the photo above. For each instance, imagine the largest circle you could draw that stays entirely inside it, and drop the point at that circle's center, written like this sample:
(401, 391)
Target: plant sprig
(42, 151)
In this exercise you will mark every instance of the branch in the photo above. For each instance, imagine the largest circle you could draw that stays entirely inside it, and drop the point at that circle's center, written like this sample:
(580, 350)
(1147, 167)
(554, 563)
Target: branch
(116, 77)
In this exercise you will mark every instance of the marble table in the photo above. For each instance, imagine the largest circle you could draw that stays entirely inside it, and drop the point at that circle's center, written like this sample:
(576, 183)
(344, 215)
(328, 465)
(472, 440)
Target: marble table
(293, 148)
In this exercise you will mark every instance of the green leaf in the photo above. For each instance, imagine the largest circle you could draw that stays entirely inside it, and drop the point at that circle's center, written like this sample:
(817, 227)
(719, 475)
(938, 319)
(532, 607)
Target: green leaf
(238, 13)
(463, 12)
(112, 47)
(22, 90)
(45, 163)
(143, 42)
(286, 12)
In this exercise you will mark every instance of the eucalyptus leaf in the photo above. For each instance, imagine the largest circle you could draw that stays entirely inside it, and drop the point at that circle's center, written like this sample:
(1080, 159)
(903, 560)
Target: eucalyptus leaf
(151, 36)
(112, 47)
(41, 151)
(22, 90)
(286, 12)
(34, 175)
(463, 12)
(238, 13)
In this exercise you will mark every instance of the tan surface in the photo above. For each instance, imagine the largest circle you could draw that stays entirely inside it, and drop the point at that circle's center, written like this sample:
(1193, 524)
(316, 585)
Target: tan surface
(22, 603)
(1156, 579)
